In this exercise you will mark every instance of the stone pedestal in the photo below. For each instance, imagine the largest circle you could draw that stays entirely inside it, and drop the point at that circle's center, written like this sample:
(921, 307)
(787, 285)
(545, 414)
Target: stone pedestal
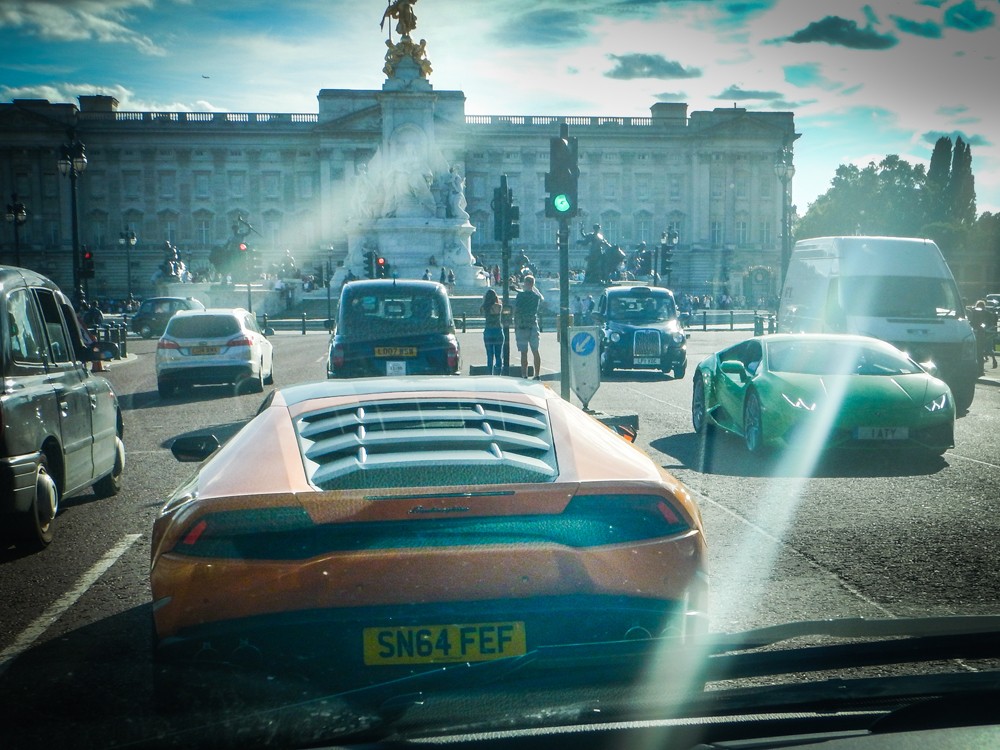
(409, 244)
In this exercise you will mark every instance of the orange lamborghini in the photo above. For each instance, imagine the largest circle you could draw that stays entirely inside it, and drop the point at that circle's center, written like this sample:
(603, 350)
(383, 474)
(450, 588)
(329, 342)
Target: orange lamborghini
(368, 528)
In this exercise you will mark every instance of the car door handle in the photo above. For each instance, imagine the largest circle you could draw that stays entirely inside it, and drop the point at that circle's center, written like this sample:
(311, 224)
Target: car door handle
(93, 402)
(64, 407)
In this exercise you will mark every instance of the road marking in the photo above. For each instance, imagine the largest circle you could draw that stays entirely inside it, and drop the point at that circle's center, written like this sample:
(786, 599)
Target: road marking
(973, 460)
(56, 610)
(811, 562)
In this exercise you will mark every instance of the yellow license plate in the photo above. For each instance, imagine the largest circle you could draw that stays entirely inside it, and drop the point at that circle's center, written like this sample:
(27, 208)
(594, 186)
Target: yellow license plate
(204, 350)
(395, 351)
(430, 644)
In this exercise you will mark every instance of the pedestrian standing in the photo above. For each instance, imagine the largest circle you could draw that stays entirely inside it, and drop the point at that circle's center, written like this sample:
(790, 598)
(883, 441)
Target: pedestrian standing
(492, 310)
(526, 324)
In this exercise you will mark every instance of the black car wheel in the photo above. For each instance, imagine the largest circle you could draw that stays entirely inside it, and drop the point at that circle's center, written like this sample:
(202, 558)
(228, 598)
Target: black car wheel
(146, 331)
(699, 408)
(753, 424)
(606, 366)
(680, 371)
(165, 389)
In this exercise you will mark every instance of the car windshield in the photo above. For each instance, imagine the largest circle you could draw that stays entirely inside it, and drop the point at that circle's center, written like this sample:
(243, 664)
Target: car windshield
(368, 314)
(538, 397)
(202, 327)
(899, 296)
(641, 308)
(825, 357)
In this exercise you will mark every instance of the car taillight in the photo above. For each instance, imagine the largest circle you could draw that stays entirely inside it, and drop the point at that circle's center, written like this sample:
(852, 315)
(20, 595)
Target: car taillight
(628, 517)
(239, 341)
(453, 356)
(337, 356)
(266, 533)
(166, 344)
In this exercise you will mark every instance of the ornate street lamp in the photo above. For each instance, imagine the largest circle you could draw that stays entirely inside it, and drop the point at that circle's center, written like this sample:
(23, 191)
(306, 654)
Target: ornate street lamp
(127, 240)
(785, 170)
(72, 161)
(17, 214)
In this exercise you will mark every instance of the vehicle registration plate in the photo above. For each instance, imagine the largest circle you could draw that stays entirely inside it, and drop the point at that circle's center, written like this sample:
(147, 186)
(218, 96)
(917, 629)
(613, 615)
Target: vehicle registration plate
(647, 361)
(395, 351)
(204, 350)
(882, 433)
(429, 644)
(395, 368)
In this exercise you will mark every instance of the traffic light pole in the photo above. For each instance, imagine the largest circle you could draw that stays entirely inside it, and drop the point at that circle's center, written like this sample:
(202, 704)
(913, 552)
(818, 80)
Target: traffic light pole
(506, 314)
(563, 243)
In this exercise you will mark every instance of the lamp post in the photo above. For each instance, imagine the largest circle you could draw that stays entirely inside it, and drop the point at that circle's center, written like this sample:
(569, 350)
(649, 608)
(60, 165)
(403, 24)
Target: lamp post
(72, 161)
(127, 240)
(785, 170)
(17, 214)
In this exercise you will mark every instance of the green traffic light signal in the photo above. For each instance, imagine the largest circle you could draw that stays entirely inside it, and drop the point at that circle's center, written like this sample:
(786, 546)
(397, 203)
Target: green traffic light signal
(561, 203)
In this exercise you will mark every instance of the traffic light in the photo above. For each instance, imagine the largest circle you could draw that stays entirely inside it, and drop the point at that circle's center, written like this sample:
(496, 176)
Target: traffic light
(499, 207)
(243, 247)
(513, 227)
(667, 264)
(370, 264)
(87, 270)
(563, 177)
(381, 268)
(667, 243)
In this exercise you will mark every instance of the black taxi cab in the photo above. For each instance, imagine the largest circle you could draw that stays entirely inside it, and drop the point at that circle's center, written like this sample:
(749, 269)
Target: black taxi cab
(641, 329)
(389, 327)
(60, 424)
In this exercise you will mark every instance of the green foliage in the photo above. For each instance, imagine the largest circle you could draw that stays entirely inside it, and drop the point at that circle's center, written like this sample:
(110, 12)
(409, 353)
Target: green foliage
(882, 198)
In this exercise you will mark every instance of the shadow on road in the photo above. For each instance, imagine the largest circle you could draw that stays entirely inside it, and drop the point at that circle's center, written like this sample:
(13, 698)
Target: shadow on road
(725, 455)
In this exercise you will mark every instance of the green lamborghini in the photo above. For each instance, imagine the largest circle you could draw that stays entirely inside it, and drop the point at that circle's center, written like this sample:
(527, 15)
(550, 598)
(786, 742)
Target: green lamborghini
(822, 390)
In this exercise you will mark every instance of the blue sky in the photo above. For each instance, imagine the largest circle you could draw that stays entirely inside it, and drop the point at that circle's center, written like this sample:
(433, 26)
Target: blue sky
(863, 79)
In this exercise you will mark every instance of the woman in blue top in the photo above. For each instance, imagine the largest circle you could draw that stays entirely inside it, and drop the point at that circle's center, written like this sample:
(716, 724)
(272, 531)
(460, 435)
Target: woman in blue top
(492, 310)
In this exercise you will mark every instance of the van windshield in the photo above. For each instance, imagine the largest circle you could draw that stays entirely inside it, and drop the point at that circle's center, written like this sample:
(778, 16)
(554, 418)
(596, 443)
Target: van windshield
(899, 297)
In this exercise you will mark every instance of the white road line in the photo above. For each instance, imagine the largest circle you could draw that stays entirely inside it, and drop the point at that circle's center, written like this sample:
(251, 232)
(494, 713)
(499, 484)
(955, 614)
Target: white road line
(48, 618)
(973, 460)
(796, 552)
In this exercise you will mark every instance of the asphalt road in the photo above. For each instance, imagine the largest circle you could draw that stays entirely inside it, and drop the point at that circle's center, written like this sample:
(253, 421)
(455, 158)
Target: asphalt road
(866, 534)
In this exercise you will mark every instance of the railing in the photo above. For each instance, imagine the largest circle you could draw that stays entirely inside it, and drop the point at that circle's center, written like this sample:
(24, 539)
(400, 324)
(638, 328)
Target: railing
(241, 118)
(309, 118)
(706, 320)
(549, 120)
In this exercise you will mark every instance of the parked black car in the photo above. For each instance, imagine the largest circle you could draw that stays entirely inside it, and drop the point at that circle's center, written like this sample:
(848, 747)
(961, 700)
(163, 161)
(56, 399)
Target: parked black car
(393, 327)
(60, 425)
(151, 318)
(640, 329)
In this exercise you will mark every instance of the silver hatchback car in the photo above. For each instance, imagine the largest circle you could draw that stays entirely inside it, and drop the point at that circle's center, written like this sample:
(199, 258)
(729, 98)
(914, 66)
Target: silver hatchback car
(211, 347)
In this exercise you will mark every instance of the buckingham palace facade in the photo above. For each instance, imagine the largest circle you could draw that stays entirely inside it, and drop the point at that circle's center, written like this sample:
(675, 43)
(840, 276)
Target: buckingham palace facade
(186, 178)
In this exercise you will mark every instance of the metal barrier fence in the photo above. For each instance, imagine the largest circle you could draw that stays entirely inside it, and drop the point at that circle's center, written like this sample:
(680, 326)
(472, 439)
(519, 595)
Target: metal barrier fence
(758, 322)
(114, 333)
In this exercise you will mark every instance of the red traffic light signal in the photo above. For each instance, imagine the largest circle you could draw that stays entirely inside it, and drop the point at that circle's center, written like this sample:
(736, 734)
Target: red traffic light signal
(381, 268)
(243, 247)
(87, 266)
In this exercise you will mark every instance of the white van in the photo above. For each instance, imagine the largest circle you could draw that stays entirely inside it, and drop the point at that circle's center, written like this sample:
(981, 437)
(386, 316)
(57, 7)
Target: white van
(896, 289)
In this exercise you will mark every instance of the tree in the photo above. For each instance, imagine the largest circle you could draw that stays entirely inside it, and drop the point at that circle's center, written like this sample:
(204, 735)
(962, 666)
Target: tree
(882, 198)
(936, 185)
(961, 190)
